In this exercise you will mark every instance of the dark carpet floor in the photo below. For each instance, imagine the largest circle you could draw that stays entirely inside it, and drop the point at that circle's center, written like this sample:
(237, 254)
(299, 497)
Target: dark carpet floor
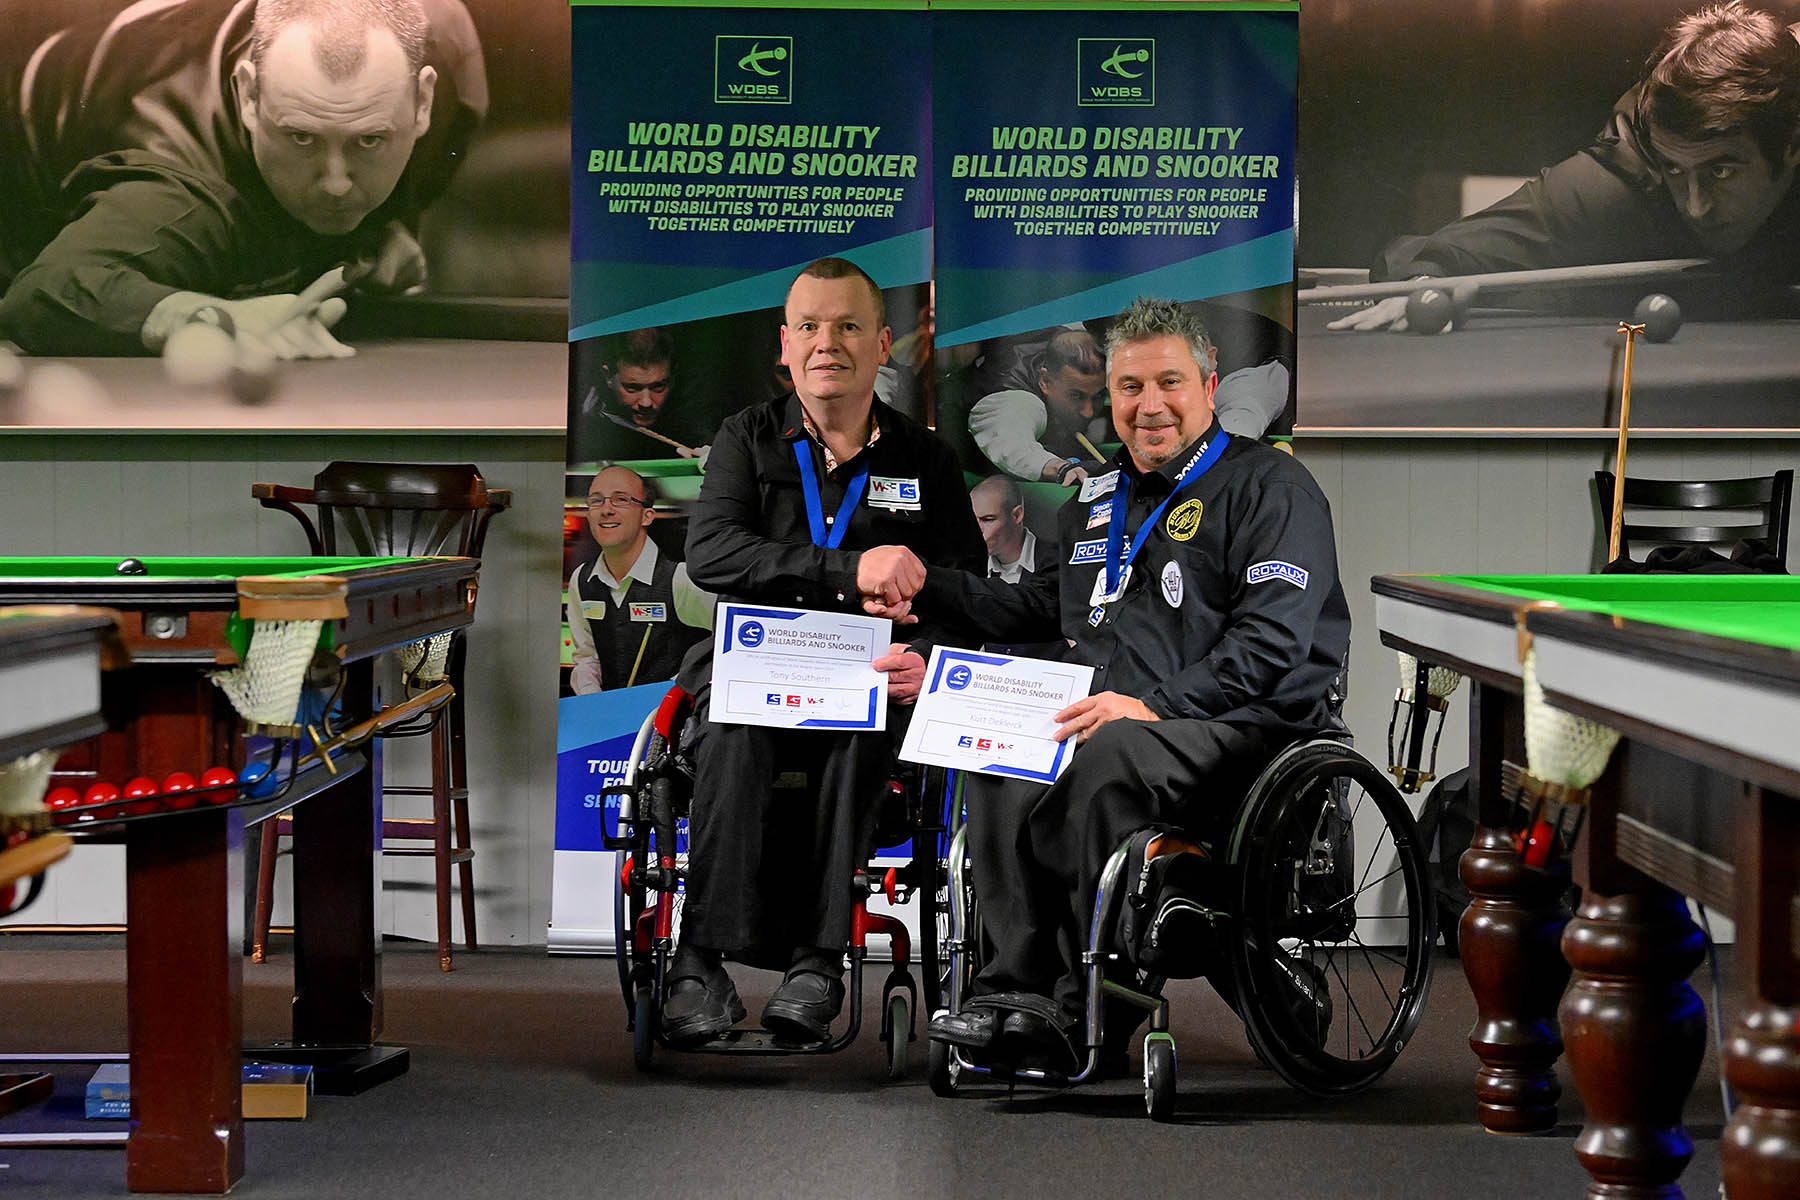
(522, 1087)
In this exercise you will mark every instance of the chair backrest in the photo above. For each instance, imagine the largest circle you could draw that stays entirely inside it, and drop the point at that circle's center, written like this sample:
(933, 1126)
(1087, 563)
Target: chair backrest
(1715, 513)
(392, 508)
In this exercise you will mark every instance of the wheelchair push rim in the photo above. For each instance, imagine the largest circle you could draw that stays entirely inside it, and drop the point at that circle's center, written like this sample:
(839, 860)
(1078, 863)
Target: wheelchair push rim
(1332, 965)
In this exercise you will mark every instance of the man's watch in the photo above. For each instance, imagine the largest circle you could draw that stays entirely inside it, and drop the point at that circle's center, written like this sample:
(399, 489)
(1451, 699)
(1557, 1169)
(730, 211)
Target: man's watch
(1062, 473)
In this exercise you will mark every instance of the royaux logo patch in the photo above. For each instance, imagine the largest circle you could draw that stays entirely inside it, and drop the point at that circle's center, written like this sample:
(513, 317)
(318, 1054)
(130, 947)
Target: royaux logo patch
(1262, 572)
(1088, 552)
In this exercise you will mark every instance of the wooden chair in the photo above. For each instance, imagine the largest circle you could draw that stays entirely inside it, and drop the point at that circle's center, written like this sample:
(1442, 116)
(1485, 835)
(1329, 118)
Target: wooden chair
(1699, 512)
(363, 508)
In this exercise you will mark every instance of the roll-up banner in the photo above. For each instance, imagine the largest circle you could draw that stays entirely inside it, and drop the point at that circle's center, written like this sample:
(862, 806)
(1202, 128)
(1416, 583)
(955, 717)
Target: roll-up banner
(715, 151)
(1065, 158)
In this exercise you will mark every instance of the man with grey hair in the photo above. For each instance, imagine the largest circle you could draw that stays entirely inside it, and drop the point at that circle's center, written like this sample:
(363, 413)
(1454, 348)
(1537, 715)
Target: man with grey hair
(169, 159)
(1198, 577)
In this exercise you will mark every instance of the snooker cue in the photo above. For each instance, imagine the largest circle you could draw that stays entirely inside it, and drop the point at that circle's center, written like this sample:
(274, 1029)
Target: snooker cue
(1618, 506)
(1090, 448)
(324, 288)
(687, 451)
(639, 660)
(1588, 275)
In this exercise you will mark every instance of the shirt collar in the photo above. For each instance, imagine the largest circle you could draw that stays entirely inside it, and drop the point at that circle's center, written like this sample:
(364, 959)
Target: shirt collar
(797, 414)
(1165, 475)
(643, 570)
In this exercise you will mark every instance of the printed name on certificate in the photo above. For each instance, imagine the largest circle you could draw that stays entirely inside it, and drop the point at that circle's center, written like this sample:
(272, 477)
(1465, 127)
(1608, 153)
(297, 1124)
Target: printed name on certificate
(793, 668)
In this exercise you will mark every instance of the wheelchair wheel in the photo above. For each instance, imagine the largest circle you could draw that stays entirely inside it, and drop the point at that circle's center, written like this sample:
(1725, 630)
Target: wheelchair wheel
(1333, 961)
(627, 903)
(643, 1027)
(1159, 1076)
(899, 1033)
(941, 1071)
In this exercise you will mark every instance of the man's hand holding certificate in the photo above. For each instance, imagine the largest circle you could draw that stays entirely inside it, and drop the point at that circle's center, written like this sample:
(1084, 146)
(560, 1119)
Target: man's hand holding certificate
(792, 668)
(994, 713)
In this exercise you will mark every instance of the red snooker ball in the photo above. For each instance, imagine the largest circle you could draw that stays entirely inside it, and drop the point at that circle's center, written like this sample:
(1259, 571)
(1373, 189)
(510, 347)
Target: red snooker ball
(62, 797)
(180, 787)
(138, 788)
(101, 794)
(220, 781)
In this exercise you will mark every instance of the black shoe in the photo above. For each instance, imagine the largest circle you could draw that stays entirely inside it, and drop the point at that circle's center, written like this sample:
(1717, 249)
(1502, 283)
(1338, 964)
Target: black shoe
(804, 1006)
(972, 1028)
(1032, 1039)
(701, 1003)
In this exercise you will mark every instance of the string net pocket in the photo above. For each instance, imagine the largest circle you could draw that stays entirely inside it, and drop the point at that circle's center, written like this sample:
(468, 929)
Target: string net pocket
(426, 660)
(266, 687)
(1561, 747)
(22, 784)
(1439, 681)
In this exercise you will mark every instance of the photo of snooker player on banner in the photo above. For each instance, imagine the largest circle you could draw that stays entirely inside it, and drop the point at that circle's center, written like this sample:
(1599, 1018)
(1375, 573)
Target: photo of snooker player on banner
(1549, 168)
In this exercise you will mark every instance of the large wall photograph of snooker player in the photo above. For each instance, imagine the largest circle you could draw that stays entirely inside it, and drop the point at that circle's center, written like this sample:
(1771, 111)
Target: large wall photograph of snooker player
(1488, 191)
(283, 213)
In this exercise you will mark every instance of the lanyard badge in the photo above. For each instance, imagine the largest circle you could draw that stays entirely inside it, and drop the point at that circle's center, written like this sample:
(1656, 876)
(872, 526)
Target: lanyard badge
(815, 507)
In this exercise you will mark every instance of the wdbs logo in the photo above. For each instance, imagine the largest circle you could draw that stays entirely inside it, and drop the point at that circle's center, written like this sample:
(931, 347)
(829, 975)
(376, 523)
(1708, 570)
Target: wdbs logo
(753, 70)
(959, 677)
(1115, 72)
(750, 635)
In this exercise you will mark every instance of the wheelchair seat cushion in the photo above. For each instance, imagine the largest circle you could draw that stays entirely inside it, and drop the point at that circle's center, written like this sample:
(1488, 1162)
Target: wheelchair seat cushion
(1172, 910)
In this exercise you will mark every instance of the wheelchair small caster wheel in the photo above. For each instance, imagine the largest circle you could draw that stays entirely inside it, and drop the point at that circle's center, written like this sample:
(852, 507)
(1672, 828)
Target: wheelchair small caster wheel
(643, 1027)
(1159, 1076)
(899, 1033)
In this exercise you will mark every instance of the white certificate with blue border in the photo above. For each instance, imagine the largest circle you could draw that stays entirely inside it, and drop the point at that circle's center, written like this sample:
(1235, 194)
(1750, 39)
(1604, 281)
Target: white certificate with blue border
(994, 714)
(797, 669)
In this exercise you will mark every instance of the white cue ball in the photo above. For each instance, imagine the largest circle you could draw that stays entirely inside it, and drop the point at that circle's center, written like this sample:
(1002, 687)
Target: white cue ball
(199, 355)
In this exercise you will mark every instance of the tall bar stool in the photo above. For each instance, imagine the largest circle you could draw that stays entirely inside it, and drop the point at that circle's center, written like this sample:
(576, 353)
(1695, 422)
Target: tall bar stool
(365, 508)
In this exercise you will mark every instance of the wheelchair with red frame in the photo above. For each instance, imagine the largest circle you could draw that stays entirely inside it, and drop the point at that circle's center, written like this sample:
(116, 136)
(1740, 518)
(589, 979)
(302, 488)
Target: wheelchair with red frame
(1311, 914)
(648, 894)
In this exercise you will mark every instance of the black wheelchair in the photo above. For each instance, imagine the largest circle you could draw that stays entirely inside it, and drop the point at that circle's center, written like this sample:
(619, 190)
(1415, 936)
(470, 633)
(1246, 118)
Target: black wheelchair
(653, 802)
(1312, 916)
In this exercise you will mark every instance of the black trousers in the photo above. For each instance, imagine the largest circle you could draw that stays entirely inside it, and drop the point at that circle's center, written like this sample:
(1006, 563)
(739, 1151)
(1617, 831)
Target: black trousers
(769, 867)
(1036, 852)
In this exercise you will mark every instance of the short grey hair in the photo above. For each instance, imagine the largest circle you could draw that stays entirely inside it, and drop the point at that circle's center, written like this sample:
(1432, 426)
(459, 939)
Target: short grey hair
(1146, 318)
(341, 29)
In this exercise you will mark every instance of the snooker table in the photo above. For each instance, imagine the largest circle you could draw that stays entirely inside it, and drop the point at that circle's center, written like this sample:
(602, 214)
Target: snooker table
(178, 621)
(1512, 370)
(1700, 674)
(50, 666)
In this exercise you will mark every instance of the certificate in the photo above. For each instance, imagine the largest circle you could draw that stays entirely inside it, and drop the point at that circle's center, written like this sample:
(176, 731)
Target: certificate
(796, 669)
(994, 713)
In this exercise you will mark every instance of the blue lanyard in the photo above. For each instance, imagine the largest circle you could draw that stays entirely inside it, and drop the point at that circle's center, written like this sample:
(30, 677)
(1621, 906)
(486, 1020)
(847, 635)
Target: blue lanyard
(815, 508)
(1119, 555)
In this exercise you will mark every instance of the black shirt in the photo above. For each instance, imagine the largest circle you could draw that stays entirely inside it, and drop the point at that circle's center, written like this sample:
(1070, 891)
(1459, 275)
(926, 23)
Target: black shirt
(1232, 612)
(749, 538)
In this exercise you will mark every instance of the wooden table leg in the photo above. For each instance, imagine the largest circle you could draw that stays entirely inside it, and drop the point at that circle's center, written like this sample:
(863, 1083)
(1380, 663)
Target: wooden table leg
(1510, 936)
(183, 941)
(1635, 1030)
(337, 947)
(1759, 1154)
